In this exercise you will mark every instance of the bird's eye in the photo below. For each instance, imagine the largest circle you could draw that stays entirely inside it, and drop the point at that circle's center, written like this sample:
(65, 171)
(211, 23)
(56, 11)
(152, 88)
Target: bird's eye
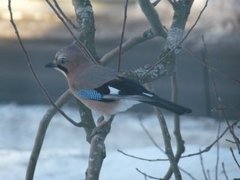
(63, 60)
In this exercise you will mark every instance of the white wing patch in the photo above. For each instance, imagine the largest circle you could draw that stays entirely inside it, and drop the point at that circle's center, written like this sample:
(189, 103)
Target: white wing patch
(113, 90)
(147, 94)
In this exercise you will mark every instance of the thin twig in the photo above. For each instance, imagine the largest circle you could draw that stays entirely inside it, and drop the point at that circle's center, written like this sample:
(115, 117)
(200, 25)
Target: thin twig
(234, 157)
(127, 45)
(208, 174)
(205, 58)
(206, 149)
(222, 110)
(64, 15)
(177, 130)
(202, 166)
(140, 158)
(82, 48)
(150, 136)
(122, 35)
(177, 126)
(211, 68)
(224, 171)
(146, 175)
(218, 152)
(187, 173)
(195, 23)
(29, 63)
(62, 19)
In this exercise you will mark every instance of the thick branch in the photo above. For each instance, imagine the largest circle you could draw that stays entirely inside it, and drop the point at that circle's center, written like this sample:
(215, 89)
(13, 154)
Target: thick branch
(181, 11)
(165, 65)
(97, 149)
(85, 19)
(42, 129)
(86, 119)
(152, 17)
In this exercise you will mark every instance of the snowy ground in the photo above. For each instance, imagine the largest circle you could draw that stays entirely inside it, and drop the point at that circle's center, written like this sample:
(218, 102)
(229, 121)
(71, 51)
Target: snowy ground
(65, 152)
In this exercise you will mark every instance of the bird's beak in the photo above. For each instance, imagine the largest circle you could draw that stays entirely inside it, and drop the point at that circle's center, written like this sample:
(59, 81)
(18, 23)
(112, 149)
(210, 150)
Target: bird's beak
(50, 65)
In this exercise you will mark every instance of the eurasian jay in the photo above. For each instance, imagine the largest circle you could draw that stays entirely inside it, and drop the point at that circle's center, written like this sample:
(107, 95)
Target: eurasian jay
(104, 89)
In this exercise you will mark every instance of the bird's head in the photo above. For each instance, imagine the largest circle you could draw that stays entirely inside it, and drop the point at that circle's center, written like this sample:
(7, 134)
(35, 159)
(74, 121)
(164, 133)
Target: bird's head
(69, 59)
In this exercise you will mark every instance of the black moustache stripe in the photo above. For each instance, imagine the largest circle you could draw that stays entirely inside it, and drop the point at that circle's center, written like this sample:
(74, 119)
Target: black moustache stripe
(63, 69)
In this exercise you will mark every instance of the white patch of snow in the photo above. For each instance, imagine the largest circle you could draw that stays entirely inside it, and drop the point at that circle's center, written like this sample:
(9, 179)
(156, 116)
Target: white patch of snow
(65, 151)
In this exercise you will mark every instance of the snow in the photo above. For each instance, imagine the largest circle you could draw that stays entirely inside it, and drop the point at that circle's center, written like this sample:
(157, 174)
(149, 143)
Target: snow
(65, 151)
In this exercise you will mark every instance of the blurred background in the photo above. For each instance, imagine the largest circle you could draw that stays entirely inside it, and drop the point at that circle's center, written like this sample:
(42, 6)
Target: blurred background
(43, 34)
(22, 103)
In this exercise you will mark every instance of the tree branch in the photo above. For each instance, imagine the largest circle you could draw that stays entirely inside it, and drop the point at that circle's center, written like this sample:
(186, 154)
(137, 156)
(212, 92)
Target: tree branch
(127, 45)
(42, 129)
(85, 19)
(86, 119)
(29, 63)
(64, 15)
(122, 35)
(168, 146)
(177, 130)
(152, 17)
(97, 149)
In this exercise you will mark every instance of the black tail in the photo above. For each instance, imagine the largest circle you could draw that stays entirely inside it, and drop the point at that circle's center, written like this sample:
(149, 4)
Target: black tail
(162, 103)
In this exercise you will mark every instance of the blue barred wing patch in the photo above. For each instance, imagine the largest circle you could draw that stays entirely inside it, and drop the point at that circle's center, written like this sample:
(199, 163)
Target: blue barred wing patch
(90, 94)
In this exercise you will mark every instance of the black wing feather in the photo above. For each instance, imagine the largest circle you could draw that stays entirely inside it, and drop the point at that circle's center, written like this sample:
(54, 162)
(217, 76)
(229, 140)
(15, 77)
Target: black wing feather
(128, 89)
(125, 87)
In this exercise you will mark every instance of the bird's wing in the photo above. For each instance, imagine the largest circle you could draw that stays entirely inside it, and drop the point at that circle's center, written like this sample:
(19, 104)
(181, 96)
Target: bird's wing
(93, 77)
(122, 88)
(116, 89)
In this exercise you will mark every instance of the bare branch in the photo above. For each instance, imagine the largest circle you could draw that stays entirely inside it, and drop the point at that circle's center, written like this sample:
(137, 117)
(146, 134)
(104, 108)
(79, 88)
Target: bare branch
(177, 127)
(177, 131)
(168, 146)
(59, 15)
(152, 17)
(187, 173)
(150, 136)
(234, 157)
(85, 18)
(122, 35)
(29, 63)
(81, 46)
(42, 129)
(219, 100)
(211, 68)
(127, 45)
(206, 149)
(146, 175)
(64, 15)
(195, 23)
(97, 149)
(224, 171)
(141, 158)
(202, 166)
(218, 152)
(86, 119)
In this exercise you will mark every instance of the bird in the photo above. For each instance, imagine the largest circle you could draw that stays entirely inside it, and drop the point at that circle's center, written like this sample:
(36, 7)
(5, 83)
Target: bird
(104, 89)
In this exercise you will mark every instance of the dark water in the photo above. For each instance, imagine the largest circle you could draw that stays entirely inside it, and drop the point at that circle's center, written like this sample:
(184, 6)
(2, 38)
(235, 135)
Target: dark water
(18, 85)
